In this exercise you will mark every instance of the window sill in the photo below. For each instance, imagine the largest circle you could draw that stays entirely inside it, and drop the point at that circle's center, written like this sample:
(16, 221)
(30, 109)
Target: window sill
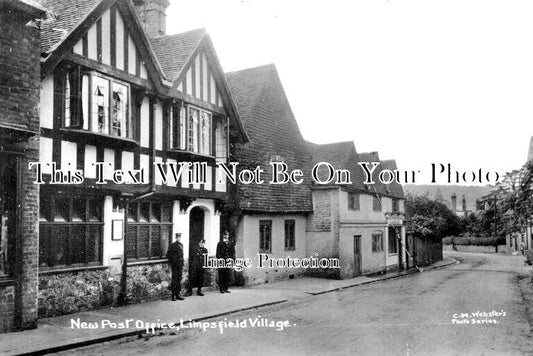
(393, 254)
(6, 281)
(188, 156)
(96, 138)
(147, 262)
(71, 269)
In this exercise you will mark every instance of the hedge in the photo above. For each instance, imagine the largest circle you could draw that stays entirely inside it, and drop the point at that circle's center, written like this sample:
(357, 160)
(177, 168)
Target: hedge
(476, 241)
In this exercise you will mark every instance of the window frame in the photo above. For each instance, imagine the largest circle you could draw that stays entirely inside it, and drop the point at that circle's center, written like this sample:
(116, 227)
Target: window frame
(377, 245)
(290, 234)
(376, 204)
(393, 247)
(186, 135)
(85, 121)
(264, 238)
(49, 230)
(352, 199)
(136, 225)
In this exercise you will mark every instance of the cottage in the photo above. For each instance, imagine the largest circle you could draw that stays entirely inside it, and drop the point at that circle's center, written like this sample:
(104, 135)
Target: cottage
(361, 224)
(268, 218)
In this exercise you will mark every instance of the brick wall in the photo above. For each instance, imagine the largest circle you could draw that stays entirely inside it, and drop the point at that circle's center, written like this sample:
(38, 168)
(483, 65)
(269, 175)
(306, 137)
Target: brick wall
(7, 306)
(19, 110)
(320, 219)
(19, 72)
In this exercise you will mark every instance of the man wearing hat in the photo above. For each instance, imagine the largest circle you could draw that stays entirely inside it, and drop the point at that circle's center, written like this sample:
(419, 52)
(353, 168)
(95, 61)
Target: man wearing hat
(175, 260)
(225, 250)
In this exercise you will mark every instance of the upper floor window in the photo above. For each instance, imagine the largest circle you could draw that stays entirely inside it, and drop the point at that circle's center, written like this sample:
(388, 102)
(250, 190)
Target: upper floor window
(191, 129)
(376, 203)
(395, 205)
(97, 103)
(353, 201)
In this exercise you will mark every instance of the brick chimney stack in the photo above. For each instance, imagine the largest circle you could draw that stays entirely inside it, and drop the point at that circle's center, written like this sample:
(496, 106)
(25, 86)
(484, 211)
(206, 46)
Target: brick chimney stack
(152, 15)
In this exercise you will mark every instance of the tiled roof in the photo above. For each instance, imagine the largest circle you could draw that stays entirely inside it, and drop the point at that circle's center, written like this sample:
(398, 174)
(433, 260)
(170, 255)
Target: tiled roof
(341, 155)
(272, 131)
(68, 13)
(395, 188)
(378, 187)
(173, 51)
(28, 6)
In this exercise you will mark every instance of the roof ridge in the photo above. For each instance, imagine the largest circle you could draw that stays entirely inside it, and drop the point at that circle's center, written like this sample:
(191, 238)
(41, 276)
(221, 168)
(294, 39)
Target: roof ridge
(273, 65)
(200, 29)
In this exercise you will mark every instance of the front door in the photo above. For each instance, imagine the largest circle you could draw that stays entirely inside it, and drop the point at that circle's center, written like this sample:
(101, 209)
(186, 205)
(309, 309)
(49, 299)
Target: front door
(196, 228)
(357, 255)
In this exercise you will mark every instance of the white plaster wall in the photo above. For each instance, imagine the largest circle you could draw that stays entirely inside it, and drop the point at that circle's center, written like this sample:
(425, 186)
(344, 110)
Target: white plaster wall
(47, 102)
(248, 246)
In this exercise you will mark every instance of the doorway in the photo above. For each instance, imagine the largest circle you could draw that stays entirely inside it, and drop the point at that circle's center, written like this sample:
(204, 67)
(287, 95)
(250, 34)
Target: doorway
(356, 255)
(196, 228)
(8, 212)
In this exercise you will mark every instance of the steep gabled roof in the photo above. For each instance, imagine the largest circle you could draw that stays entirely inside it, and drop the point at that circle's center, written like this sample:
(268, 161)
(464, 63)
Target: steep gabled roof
(69, 14)
(341, 155)
(73, 19)
(378, 187)
(174, 51)
(395, 188)
(274, 135)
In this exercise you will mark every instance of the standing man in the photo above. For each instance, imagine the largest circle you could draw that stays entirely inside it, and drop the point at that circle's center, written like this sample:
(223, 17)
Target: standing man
(175, 259)
(225, 250)
(196, 269)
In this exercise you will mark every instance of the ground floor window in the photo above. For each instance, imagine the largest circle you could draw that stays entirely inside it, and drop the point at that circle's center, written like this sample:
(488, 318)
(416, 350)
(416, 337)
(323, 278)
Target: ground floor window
(265, 236)
(8, 208)
(290, 242)
(149, 230)
(377, 242)
(393, 240)
(70, 231)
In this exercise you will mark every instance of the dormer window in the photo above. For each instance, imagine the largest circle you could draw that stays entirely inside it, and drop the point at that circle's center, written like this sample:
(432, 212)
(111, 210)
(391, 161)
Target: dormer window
(97, 103)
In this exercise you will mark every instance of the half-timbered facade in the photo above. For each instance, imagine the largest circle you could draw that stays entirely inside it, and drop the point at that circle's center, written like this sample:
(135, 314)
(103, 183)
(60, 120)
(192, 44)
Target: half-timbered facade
(132, 128)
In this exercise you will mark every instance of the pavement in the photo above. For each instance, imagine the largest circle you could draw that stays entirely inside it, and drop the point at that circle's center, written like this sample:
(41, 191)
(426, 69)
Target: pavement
(91, 327)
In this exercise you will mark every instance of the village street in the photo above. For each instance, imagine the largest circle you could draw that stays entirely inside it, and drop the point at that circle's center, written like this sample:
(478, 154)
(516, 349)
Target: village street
(404, 316)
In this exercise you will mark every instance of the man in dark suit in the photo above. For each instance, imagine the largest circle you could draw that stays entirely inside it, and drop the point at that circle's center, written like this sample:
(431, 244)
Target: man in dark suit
(175, 259)
(196, 269)
(225, 250)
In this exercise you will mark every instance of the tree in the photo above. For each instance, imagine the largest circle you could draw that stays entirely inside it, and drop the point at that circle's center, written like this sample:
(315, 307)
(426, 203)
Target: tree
(517, 200)
(430, 218)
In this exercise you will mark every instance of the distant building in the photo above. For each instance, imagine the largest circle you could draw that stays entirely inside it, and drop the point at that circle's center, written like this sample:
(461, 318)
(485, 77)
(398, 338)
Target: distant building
(360, 224)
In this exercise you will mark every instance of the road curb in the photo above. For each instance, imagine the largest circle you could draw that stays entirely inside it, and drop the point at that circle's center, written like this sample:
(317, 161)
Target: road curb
(137, 332)
(399, 275)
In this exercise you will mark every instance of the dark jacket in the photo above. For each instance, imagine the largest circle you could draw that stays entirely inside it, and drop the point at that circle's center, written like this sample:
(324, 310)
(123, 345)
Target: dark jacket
(226, 250)
(197, 257)
(175, 255)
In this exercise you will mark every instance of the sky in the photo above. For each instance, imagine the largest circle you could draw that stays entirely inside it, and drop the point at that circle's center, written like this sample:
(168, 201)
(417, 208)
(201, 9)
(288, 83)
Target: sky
(421, 82)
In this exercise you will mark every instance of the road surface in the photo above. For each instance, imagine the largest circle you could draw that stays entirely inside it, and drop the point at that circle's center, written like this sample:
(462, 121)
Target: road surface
(472, 308)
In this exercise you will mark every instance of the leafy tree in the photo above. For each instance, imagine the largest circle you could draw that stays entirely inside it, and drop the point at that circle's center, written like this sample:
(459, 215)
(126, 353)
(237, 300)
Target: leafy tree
(517, 198)
(430, 218)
